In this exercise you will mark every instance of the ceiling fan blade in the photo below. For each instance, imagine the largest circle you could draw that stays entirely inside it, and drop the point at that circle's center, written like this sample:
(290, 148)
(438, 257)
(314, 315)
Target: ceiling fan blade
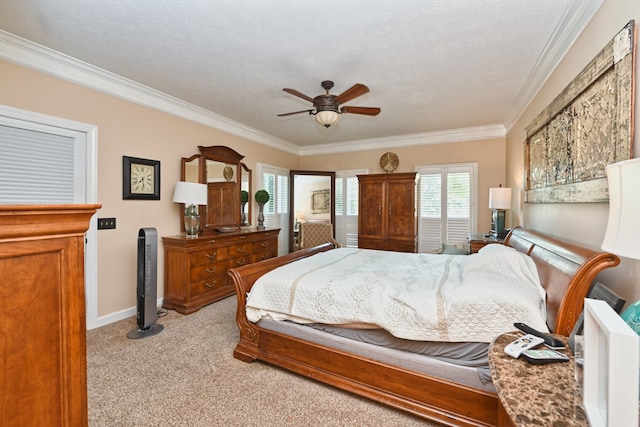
(295, 112)
(367, 111)
(354, 91)
(298, 94)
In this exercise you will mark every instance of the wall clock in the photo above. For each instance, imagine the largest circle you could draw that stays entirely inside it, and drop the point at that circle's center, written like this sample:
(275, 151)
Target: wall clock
(140, 179)
(389, 162)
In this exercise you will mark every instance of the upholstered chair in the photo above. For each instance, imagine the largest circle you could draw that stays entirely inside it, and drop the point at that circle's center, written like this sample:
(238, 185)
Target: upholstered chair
(316, 233)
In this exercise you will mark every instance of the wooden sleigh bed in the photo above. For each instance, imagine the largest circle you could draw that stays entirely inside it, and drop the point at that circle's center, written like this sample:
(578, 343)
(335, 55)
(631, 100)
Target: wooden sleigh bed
(566, 273)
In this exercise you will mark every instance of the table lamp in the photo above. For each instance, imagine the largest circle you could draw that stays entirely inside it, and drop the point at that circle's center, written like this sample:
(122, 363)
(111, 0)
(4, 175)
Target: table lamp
(621, 237)
(191, 194)
(499, 201)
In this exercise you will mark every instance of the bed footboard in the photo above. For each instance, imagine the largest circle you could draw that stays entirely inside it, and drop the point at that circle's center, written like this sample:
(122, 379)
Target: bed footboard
(243, 279)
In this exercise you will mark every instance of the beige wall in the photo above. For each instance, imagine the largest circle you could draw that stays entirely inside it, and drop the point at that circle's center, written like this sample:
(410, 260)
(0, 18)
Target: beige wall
(129, 129)
(581, 223)
(490, 154)
(126, 129)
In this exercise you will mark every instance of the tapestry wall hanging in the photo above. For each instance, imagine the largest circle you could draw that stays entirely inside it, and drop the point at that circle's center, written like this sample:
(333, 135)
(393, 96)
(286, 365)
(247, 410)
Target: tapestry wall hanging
(587, 127)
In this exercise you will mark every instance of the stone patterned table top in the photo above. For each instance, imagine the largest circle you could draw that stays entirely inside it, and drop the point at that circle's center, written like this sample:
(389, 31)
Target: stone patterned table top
(535, 395)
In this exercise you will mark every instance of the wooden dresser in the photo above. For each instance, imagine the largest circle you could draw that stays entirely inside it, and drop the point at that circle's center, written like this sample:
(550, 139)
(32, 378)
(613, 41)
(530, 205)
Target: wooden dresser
(387, 215)
(43, 361)
(195, 270)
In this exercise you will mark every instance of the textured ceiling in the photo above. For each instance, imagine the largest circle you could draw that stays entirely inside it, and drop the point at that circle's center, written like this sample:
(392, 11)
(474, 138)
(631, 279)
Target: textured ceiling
(431, 66)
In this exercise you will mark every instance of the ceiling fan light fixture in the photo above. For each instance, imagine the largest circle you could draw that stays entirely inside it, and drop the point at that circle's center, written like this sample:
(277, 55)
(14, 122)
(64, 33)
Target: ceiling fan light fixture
(327, 118)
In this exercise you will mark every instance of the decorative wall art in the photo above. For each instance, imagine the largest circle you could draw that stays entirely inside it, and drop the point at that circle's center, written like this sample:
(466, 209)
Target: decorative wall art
(587, 127)
(320, 201)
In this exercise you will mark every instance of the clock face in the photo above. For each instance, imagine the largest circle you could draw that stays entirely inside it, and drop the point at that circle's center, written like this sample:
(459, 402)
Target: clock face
(389, 162)
(142, 179)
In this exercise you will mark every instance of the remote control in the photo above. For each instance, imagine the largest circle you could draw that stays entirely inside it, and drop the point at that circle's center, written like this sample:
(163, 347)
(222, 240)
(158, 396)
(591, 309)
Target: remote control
(523, 343)
(540, 357)
(549, 341)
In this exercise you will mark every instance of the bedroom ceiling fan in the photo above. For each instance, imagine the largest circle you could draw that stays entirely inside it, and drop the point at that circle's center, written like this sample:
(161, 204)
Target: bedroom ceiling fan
(327, 107)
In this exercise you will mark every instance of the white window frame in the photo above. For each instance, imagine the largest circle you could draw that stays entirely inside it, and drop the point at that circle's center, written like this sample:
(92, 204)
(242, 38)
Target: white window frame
(443, 170)
(84, 134)
(280, 218)
(347, 225)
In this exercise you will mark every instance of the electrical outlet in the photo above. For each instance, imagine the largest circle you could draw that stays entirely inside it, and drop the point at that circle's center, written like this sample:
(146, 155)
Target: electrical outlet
(106, 223)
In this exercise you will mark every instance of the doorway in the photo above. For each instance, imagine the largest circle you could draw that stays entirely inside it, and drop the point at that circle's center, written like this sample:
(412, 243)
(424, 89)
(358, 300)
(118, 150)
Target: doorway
(311, 198)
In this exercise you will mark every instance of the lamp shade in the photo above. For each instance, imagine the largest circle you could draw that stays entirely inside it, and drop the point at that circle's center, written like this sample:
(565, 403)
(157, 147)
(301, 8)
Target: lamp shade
(327, 118)
(499, 198)
(623, 228)
(190, 193)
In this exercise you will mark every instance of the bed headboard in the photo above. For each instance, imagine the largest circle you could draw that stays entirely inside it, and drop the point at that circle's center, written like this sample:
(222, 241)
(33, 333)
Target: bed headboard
(566, 272)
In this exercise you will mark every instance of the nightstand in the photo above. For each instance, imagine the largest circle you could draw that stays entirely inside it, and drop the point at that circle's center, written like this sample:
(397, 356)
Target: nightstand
(478, 241)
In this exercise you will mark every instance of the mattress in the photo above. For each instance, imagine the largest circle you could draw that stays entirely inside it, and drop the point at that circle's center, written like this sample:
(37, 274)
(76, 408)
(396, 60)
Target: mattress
(477, 377)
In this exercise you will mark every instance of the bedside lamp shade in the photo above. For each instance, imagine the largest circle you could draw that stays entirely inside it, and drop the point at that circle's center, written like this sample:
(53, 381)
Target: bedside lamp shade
(623, 228)
(191, 194)
(499, 198)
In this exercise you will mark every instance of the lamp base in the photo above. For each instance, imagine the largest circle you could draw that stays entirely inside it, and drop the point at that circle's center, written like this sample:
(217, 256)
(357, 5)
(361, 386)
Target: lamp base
(497, 222)
(192, 225)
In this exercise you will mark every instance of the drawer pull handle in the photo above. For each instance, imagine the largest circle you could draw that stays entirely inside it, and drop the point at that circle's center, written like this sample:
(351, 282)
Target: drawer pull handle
(241, 262)
(264, 245)
(241, 250)
(212, 241)
(211, 271)
(213, 256)
(210, 285)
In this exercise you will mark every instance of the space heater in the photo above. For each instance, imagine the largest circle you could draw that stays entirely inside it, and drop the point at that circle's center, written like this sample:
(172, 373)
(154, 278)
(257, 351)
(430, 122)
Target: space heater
(147, 292)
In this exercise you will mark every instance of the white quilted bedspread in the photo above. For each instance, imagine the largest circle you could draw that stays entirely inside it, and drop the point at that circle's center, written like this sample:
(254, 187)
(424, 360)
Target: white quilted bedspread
(425, 297)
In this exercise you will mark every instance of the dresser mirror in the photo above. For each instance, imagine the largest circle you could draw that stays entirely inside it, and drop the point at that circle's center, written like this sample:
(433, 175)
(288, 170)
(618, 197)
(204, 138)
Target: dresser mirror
(227, 178)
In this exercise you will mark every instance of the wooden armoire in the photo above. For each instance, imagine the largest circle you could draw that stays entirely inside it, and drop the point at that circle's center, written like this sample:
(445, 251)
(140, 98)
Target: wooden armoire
(387, 212)
(43, 368)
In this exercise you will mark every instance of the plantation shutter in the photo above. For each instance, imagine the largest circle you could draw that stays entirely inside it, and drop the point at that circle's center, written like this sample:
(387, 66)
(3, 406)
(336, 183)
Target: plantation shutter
(447, 197)
(347, 207)
(276, 211)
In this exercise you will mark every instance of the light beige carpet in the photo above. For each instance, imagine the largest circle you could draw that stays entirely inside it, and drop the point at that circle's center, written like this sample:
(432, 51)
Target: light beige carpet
(187, 376)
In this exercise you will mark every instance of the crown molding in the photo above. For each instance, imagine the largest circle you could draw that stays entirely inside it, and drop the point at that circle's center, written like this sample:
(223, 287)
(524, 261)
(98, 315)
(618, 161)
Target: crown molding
(574, 20)
(440, 137)
(40, 58)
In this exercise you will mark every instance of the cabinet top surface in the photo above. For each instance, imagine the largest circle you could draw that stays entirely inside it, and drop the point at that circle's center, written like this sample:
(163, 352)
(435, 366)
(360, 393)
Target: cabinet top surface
(532, 393)
(209, 236)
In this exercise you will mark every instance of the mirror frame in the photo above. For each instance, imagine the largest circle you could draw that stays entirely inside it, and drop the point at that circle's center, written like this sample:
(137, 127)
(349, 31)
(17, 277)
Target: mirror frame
(292, 202)
(223, 154)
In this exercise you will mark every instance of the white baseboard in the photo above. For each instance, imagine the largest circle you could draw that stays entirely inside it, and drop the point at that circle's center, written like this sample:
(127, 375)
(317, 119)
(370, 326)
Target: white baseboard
(121, 315)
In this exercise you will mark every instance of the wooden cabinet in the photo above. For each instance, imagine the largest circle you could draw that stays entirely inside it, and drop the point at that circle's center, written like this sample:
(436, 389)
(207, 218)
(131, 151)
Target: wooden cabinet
(223, 201)
(387, 215)
(195, 270)
(43, 362)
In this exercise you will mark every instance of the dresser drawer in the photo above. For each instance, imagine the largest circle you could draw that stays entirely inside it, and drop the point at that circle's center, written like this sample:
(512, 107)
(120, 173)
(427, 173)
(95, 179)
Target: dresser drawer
(211, 284)
(202, 272)
(239, 261)
(208, 256)
(242, 249)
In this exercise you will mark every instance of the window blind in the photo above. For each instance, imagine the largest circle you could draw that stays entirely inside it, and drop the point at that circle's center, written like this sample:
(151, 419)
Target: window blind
(38, 167)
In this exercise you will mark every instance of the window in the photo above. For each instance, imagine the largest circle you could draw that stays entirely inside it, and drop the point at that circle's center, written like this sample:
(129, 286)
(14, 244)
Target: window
(347, 207)
(63, 159)
(276, 212)
(447, 205)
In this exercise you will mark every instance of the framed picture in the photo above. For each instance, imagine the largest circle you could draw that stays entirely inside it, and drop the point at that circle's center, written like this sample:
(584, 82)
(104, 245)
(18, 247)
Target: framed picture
(140, 179)
(320, 201)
